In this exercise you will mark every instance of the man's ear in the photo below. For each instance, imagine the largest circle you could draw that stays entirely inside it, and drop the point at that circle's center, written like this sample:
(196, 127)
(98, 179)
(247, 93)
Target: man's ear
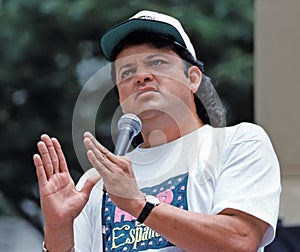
(195, 77)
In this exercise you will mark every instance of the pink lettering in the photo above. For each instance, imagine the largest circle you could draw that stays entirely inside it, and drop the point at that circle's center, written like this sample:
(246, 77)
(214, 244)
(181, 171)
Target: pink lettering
(119, 213)
(166, 196)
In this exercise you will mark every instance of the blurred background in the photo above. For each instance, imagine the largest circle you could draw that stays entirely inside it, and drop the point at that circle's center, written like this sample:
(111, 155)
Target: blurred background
(50, 48)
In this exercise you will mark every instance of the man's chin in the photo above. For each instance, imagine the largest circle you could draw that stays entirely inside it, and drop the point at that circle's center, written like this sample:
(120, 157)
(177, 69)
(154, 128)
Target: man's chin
(148, 114)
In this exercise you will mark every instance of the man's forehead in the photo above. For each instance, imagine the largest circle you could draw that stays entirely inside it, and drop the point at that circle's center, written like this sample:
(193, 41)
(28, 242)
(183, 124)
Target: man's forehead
(143, 48)
(146, 56)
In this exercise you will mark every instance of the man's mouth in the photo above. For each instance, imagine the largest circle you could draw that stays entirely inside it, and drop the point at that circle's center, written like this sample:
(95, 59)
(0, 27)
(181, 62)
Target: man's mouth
(145, 89)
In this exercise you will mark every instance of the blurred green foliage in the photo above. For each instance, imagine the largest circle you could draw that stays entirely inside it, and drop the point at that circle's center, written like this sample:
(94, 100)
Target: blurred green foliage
(42, 45)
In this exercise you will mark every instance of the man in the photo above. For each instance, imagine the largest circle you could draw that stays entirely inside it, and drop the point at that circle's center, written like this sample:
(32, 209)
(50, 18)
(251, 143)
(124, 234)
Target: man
(188, 186)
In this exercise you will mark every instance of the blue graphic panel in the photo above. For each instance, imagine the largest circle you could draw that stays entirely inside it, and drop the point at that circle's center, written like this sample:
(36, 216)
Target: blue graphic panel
(124, 233)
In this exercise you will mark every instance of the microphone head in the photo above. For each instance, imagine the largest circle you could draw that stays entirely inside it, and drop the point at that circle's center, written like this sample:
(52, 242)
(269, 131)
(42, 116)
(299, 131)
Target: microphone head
(132, 121)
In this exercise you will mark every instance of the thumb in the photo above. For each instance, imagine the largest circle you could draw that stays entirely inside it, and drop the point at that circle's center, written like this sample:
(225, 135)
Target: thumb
(93, 178)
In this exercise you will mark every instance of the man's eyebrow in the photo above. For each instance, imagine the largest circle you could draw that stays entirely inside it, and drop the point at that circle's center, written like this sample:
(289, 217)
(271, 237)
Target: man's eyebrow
(156, 55)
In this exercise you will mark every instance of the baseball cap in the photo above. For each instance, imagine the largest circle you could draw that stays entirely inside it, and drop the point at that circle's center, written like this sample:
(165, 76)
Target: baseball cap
(148, 21)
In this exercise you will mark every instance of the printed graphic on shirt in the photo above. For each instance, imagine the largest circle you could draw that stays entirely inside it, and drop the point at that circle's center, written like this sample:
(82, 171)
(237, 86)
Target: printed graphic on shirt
(124, 233)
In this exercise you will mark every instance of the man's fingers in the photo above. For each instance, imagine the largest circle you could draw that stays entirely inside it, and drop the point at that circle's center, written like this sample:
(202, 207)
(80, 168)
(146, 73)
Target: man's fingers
(110, 156)
(40, 172)
(52, 152)
(97, 163)
(112, 162)
(96, 154)
(94, 143)
(45, 157)
(61, 157)
(51, 156)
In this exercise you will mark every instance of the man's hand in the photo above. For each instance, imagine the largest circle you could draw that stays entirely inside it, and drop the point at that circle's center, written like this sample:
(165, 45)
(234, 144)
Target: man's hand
(61, 202)
(117, 174)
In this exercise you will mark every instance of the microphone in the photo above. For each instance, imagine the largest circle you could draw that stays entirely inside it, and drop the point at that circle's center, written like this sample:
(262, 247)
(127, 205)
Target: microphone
(129, 125)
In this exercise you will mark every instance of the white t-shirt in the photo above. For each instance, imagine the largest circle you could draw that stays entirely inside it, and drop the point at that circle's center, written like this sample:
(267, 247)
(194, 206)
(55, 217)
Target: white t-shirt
(206, 171)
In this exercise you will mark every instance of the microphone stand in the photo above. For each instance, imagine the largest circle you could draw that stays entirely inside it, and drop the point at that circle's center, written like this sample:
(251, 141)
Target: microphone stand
(129, 125)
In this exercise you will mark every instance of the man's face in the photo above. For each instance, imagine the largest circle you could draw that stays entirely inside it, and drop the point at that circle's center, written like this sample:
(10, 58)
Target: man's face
(151, 81)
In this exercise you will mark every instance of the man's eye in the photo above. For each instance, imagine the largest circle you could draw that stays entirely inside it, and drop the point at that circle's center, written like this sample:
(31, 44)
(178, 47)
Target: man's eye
(156, 62)
(126, 73)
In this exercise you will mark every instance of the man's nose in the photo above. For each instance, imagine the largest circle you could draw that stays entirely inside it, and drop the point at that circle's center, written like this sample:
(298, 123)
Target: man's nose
(141, 78)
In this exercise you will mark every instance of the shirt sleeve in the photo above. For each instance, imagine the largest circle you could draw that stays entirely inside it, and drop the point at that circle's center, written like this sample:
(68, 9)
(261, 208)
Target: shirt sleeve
(249, 178)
